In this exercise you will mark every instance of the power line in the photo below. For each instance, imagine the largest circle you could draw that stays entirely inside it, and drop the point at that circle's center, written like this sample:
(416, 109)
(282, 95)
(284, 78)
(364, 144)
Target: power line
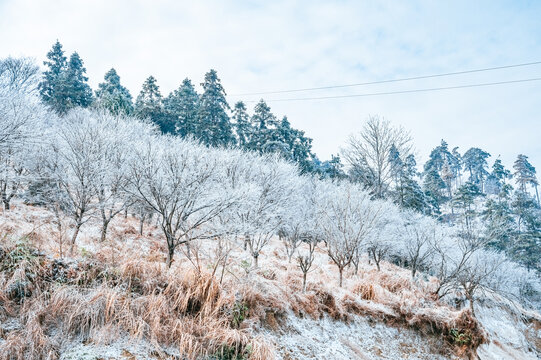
(403, 91)
(390, 81)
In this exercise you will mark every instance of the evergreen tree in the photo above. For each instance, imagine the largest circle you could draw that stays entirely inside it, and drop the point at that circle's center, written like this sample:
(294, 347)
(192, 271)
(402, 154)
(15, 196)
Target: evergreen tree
(433, 186)
(243, 127)
(525, 174)
(263, 122)
(527, 212)
(77, 91)
(181, 107)
(475, 161)
(499, 221)
(330, 169)
(496, 181)
(464, 198)
(299, 145)
(149, 106)
(112, 96)
(214, 126)
(50, 87)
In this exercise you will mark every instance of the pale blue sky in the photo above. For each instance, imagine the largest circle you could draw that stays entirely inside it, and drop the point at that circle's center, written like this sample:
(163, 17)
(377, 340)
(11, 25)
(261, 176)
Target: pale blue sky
(276, 45)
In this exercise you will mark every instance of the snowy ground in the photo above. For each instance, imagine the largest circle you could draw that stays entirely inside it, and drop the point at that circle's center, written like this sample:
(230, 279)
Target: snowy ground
(512, 332)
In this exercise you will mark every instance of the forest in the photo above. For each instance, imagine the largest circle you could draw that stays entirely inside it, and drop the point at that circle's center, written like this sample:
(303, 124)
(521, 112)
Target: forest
(205, 172)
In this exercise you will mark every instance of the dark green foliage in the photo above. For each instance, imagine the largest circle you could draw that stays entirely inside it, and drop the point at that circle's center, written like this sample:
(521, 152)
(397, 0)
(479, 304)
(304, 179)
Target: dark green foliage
(243, 127)
(181, 108)
(64, 85)
(112, 96)
(330, 169)
(475, 161)
(214, 126)
(149, 106)
(50, 87)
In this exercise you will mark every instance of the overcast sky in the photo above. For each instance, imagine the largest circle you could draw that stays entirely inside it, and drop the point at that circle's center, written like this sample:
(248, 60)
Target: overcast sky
(281, 45)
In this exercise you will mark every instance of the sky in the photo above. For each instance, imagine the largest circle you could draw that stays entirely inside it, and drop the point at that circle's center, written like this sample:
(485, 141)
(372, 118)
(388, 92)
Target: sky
(259, 46)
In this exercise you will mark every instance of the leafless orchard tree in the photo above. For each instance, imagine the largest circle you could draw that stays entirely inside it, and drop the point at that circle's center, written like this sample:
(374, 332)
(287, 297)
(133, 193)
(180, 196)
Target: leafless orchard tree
(266, 202)
(419, 238)
(367, 153)
(347, 217)
(178, 180)
(21, 117)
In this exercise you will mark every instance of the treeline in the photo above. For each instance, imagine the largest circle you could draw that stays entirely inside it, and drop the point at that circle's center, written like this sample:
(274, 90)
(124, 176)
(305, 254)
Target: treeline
(456, 188)
(184, 112)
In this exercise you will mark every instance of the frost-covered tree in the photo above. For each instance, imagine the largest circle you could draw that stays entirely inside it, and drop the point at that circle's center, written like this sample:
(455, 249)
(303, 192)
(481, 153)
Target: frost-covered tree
(214, 125)
(419, 234)
(179, 180)
(346, 217)
(241, 122)
(181, 106)
(52, 86)
(20, 126)
(368, 154)
(149, 106)
(299, 222)
(525, 174)
(265, 205)
(71, 167)
(112, 96)
(475, 162)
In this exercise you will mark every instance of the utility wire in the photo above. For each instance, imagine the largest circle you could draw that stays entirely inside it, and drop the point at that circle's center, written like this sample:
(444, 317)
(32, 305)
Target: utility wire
(391, 80)
(402, 91)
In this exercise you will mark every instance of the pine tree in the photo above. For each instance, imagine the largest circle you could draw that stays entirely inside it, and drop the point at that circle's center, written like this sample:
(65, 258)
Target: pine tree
(433, 186)
(496, 181)
(149, 105)
(330, 169)
(243, 127)
(464, 198)
(51, 87)
(112, 96)
(214, 126)
(263, 122)
(406, 192)
(181, 107)
(525, 174)
(475, 161)
(499, 221)
(77, 90)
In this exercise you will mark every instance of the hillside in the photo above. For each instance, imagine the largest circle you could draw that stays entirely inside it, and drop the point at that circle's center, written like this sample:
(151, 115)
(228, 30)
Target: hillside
(117, 300)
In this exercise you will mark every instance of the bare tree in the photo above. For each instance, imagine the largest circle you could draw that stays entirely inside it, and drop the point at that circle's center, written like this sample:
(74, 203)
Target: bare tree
(419, 237)
(21, 117)
(305, 257)
(179, 180)
(368, 152)
(265, 204)
(347, 217)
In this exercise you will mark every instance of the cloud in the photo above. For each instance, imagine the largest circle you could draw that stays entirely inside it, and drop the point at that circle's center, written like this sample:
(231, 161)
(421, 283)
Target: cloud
(258, 46)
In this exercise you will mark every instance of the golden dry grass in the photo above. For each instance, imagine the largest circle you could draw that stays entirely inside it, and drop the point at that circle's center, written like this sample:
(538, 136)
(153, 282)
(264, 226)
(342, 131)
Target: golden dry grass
(121, 290)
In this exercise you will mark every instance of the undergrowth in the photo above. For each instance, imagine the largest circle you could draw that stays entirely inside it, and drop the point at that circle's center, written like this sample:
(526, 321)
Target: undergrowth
(92, 301)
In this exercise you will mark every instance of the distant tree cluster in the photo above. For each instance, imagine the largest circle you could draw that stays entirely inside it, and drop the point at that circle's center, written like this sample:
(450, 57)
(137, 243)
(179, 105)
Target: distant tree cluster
(206, 117)
(459, 189)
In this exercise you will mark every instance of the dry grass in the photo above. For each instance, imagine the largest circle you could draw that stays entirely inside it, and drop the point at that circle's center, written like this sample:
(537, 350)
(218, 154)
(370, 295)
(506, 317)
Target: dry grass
(122, 288)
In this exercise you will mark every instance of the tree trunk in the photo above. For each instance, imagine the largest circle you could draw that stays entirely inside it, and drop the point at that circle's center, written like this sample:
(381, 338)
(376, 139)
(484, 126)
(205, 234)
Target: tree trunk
(141, 224)
(341, 270)
(255, 255)
(104, 227)
(74, 237)
(303, 282)
(470, 299)
(170, 254)
(6, 204)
